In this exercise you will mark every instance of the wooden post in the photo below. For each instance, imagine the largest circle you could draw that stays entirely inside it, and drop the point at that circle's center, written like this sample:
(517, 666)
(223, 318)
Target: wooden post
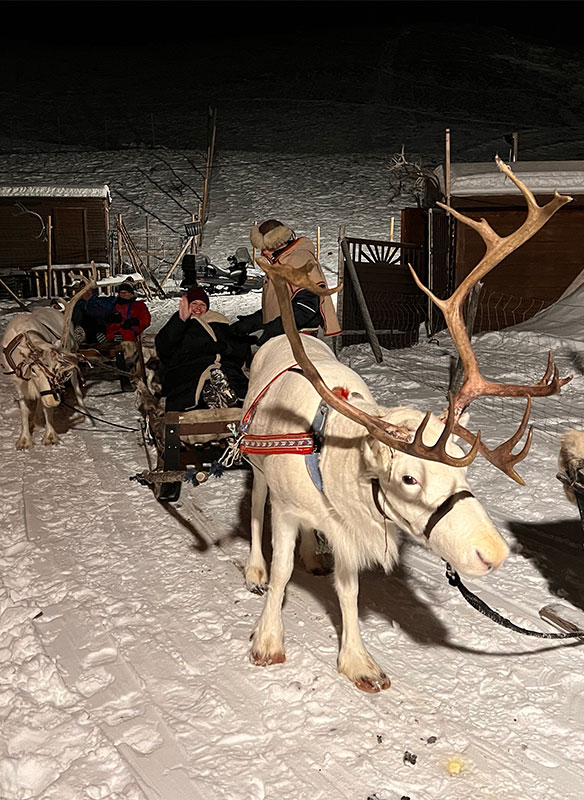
(253, 249)
(193, 238)
(391, 228)
(212, 129)
(178, 258)
(200, 217)
(49, 256)
(338, 340)
(148, 244)
(18, 300)
(318, 243)
(447, 167)
(139, 264)
(120, 255)
(372, 336)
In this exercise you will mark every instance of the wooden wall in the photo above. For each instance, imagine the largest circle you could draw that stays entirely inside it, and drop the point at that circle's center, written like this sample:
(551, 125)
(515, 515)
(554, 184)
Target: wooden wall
(80, 231)
(540, 270)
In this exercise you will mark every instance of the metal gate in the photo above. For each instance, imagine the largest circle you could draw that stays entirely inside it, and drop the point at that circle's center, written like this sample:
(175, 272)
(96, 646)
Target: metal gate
(395, 304)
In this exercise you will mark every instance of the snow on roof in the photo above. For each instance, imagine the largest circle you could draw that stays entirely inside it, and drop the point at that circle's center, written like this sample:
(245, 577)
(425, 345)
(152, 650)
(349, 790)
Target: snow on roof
(55, 191)
(542, 177)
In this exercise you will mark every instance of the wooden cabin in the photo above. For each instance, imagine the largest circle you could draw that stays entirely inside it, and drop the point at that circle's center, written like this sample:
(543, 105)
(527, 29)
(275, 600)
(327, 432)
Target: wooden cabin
(43, 228)
(535, 275)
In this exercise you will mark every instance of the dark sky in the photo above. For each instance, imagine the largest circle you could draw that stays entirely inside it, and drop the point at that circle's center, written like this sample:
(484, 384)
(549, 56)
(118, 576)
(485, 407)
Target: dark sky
(135, 64)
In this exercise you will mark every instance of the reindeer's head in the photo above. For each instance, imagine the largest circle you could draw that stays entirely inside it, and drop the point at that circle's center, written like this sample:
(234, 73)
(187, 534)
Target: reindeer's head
(432, 500)
(47, 366)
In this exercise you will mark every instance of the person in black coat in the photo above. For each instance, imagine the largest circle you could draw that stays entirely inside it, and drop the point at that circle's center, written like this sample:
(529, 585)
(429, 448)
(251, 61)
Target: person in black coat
(202, 360)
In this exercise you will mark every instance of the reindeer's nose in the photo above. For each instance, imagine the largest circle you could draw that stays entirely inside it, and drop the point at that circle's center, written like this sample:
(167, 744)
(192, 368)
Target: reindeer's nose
(492, 557)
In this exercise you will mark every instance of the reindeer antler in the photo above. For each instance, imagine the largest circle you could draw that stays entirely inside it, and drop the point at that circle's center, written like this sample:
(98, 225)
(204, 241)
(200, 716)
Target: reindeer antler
(497, 249)
(391, 435)
(475, 385)
(70, 305)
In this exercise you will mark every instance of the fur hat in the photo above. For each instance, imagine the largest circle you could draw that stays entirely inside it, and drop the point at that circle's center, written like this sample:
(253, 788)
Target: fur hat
(271, 235)
(126, 287)
(196, 293)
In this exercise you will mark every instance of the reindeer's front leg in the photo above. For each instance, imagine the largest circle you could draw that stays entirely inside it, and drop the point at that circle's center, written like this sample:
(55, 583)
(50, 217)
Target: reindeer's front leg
(27, 415)
(268, 636)
(50, 436)
(256, 573)
(354, 661)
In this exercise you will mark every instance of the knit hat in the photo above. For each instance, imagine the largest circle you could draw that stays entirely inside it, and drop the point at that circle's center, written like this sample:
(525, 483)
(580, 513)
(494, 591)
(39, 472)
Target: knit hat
(126, 287)
(271, 235)
(196, 293)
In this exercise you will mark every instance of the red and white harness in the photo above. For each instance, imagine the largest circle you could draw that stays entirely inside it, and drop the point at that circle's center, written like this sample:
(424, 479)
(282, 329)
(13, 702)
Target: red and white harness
(305, 443)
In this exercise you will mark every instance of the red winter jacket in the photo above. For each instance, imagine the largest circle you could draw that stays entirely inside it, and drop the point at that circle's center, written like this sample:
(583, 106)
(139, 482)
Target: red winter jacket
(135, 308)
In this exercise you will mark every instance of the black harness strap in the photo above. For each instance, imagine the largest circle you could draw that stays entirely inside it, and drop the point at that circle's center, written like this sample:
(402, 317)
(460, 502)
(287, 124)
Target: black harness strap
(480, 605)
(443, 509)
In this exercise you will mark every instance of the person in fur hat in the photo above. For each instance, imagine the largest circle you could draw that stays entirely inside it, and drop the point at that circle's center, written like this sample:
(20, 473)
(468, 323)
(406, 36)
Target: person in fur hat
(278, 243)
(202, 361)
(129, 317)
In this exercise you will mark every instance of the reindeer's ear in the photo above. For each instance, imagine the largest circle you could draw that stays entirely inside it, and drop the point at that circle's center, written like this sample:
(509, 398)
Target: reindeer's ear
(377, 457)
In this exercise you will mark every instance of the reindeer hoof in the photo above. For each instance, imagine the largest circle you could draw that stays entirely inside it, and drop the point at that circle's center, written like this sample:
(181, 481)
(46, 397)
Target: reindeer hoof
(260, 660)
(50, 440)
(256, 580)
(373, 685)
(256, 588)
(23, 444)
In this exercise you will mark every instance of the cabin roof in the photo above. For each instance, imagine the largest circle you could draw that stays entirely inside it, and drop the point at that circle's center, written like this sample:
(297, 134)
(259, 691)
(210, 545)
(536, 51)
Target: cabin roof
(56, 191)
(485, 179)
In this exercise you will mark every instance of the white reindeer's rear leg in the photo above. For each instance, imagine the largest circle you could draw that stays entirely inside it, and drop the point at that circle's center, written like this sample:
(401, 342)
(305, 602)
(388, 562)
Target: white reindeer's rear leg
(27, 415)
(256, 572)
(315, 563)
(354, 661)
(268, 636)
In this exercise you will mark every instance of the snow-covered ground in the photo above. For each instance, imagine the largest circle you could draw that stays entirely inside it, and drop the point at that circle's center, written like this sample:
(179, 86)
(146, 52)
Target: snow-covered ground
(125, 623)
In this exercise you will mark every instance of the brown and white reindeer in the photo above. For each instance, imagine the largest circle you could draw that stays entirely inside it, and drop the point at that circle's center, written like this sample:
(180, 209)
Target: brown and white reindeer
(380, 470)
(39, 353)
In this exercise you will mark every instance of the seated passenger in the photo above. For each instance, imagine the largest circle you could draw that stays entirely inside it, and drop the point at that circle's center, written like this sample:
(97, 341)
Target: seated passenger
(201, 358)
(129, 317)
(91, 314)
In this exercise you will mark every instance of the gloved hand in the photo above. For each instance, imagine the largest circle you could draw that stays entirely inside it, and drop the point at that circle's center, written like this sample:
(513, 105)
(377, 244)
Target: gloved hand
(114, 316)
(247, 324)
(130, 322)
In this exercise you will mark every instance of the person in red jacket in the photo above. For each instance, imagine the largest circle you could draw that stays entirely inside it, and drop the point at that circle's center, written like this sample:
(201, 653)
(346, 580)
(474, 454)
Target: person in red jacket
(129, 316)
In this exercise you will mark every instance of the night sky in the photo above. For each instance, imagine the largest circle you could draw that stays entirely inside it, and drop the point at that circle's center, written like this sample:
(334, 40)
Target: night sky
(69, 69)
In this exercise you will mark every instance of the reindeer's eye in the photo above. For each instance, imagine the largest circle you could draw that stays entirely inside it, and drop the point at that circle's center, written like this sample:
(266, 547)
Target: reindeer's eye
(409, 480)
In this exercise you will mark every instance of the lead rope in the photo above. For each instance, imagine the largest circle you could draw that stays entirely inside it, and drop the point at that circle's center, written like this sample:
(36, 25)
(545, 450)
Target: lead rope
(99, 419)
(480, 605)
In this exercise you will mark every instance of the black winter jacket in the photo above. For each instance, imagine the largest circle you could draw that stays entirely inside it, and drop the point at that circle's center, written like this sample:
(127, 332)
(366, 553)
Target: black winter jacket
(186, 350)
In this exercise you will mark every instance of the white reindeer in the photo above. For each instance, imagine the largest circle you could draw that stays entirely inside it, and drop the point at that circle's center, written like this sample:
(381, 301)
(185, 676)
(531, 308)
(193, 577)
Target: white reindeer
(39, 353)
(571, 459)
(380, 470)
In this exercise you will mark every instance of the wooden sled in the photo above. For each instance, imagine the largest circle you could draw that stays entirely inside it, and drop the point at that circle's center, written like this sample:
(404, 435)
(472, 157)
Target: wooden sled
(189, 444)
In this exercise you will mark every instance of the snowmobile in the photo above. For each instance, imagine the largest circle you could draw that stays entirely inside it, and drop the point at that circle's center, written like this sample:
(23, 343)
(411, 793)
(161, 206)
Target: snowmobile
(239, 277)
